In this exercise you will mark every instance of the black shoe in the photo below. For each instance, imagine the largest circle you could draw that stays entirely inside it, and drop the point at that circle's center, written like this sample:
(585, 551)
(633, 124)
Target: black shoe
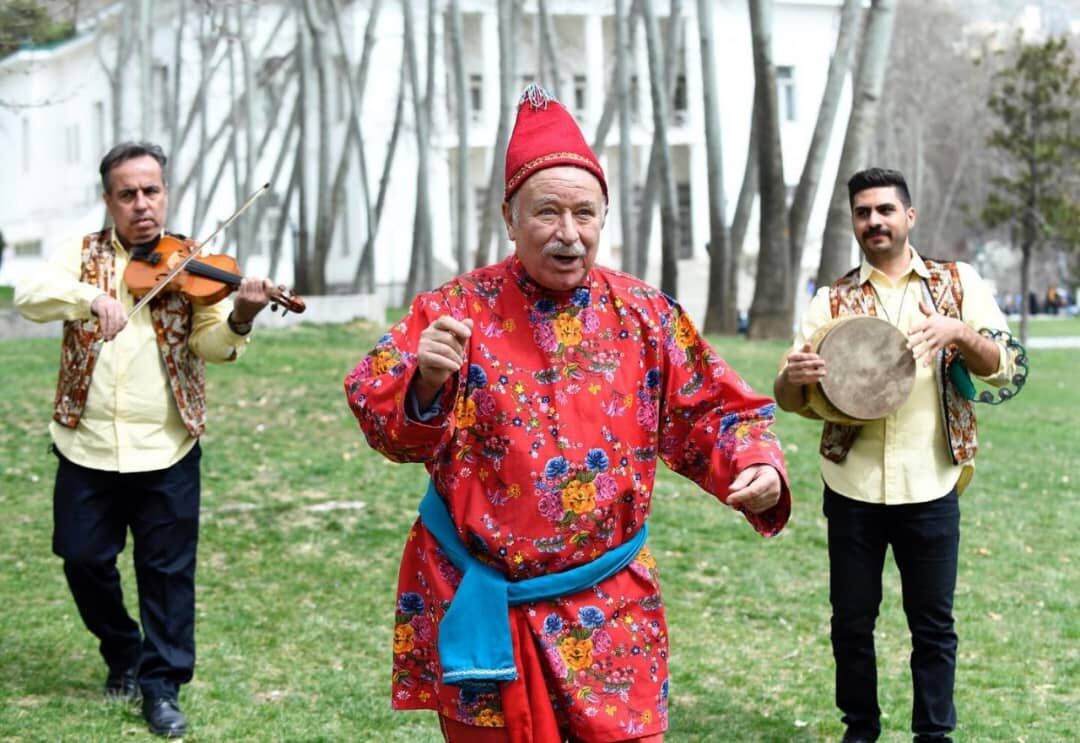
(854, 736)
(122, 685)
(164, 717)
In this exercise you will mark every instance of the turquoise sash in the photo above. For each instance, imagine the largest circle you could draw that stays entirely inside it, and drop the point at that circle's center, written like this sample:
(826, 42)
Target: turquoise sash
(474, 634)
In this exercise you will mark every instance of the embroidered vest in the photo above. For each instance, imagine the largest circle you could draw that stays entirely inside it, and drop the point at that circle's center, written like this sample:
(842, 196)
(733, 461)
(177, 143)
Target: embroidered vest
(171, 316)
(943, 291)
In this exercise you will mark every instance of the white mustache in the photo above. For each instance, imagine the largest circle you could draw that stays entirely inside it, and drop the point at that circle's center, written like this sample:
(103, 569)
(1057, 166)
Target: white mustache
(558, 248)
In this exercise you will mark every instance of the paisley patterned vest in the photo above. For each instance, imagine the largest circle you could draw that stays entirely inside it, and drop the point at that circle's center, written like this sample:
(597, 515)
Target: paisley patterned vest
(171, 316)
(943, 291)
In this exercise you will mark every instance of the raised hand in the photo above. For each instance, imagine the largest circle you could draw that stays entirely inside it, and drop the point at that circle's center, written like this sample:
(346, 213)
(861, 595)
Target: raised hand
(440, 353)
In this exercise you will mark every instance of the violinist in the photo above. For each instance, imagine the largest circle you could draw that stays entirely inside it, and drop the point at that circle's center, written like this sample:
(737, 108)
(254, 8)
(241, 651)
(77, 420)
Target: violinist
(130, 407)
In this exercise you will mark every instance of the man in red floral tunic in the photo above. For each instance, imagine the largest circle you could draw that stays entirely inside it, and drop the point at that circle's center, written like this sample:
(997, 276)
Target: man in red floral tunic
(539, 393)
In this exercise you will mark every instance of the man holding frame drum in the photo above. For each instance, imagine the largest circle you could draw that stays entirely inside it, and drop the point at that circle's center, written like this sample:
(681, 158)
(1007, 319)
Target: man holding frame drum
(892, 476)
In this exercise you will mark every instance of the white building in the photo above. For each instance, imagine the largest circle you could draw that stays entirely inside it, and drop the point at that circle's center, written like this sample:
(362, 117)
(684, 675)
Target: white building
(56, 121)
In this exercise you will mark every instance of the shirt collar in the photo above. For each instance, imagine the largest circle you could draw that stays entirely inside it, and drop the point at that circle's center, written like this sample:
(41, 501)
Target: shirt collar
(117, 245)
(917, 265)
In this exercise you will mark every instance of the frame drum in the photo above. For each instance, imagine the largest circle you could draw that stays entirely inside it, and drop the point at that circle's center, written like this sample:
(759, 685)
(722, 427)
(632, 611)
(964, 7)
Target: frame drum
(869, 370)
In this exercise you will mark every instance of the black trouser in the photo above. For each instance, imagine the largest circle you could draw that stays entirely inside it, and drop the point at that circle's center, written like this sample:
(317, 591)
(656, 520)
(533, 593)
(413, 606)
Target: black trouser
(92, 511)
(925, 539)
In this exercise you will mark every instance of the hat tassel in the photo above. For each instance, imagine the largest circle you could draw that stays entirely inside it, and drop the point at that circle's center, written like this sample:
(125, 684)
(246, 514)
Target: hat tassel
(537, 95)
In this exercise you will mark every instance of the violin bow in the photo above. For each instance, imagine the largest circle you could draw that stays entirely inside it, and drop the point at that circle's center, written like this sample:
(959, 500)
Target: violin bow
(195, 252)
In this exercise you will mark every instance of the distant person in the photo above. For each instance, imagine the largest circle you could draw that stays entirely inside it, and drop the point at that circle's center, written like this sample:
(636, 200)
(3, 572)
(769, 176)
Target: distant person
(130, 407)
(541, 393)
(1052, 303)
(894, 482)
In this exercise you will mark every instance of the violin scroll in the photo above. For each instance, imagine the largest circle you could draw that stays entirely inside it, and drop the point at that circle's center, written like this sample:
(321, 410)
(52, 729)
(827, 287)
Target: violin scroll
(288, 301)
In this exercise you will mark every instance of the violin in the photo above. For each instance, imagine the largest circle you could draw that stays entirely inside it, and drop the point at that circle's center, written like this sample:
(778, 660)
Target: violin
(203, 281)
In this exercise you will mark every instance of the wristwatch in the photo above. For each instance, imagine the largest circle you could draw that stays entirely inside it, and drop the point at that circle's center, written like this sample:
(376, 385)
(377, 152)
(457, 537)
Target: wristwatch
(240, 328)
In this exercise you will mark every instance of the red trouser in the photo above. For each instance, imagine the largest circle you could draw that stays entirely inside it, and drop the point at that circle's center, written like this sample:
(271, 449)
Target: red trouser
(458, 732)
(525, 702)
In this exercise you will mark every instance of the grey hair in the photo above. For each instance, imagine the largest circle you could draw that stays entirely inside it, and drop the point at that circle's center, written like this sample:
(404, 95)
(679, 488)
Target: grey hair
(128, 151)
(515, 208)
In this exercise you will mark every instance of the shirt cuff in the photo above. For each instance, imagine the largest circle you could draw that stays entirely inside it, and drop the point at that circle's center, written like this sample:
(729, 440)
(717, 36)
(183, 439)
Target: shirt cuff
(412, 408)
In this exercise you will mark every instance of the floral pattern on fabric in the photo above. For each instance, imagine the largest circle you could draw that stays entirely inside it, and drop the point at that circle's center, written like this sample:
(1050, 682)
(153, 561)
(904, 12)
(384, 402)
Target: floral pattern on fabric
(172, 318)
(545, 451)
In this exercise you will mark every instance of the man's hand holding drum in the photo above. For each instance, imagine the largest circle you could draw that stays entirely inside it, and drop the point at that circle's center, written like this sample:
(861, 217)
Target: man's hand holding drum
(801, 368)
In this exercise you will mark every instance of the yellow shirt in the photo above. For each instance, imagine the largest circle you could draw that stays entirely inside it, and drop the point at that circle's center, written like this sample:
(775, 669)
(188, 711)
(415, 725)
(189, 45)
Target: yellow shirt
(131, 422)
(904, 457)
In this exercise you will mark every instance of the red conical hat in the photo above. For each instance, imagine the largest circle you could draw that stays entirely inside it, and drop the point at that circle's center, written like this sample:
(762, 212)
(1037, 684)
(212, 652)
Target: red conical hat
(545, 135)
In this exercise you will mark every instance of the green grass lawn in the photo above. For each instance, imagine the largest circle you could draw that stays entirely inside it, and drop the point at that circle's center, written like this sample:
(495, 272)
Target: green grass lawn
(1054, 326)
(295, 604)
(6, 293)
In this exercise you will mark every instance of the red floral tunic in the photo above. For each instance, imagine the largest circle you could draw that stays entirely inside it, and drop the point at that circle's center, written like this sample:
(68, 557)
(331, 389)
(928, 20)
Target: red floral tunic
(546, 454)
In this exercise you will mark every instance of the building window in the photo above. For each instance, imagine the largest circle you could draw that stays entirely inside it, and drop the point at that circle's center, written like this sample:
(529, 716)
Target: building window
(580, 97)
(476, 96)
(27, 249)
(99, 129)
(26, 145)
(161, 93)
(479, 205)
(678, 100)
(785, 91)
(686, 245)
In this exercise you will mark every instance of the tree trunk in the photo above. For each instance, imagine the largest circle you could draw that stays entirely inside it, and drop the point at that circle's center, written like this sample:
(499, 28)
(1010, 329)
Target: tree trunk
(146, 69)
(603, 126)
(771, 309)
(493, 197)
(806, 192)
(740, 223)
(623, 56)
(461, 115)
(354, 137)
(836, 242)
(320, 248)
(661, 83)
(548, 45)
(719, 315)
(364, 279)
(300, 258)
(172, 125)
(419, 278)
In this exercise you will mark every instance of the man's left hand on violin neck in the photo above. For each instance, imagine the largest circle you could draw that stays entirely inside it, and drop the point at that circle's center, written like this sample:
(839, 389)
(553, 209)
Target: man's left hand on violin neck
(250, 299)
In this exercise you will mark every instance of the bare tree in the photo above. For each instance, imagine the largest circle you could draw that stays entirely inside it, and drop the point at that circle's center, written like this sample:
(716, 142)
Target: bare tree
(461, 115)
(125, 46)
(806, 191)
(720, 316)
(771, 308)
(493, 197)
(420, 269)
(548, 44)
(947, 168)
(365, 269)
(623, 57)
(836, 243)
(661, 80)
(613, 101)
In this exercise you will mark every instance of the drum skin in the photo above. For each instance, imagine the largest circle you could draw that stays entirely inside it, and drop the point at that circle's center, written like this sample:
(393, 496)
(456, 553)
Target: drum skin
(869, 370)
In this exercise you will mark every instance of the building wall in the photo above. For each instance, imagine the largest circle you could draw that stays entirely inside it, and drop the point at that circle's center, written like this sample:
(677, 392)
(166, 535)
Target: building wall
(51, 192)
